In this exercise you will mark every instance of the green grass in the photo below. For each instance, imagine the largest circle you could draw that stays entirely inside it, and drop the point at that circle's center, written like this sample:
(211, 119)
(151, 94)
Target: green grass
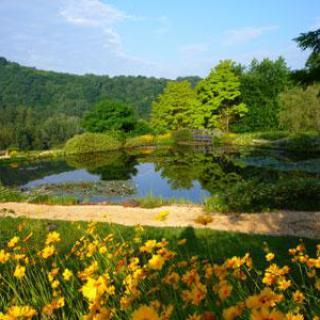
(298, 141)
(150, 202)
(206, 243)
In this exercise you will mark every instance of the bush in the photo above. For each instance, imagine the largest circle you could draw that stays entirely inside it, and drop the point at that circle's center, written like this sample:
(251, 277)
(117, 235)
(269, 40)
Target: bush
(93, 142)
(182, 136)
(300, 109)
(165, 138)
(256, 196)
(140, 141)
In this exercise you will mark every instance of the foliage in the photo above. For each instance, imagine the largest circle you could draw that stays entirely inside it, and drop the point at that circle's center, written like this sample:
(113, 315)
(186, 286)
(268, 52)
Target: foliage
(93, 142)
(140, 141)
(311, 40)
(129, 275)
(53, 92)
(109, 115)
(8, 195)
(254, 196)
(24, 128)
(300, 109)
(182, 135)
(173, 108)
(261, 84)
(219, 98)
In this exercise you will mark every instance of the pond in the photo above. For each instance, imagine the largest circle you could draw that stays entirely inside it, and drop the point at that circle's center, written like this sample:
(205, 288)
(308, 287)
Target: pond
(187, 173)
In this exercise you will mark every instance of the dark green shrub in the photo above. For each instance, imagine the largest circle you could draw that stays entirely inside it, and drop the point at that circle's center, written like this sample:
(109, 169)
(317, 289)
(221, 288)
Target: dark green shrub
(256, 196)
(182, 136)
(93, 142)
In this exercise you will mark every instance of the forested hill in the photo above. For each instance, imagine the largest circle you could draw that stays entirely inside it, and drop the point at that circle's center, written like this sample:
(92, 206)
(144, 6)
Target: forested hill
(51, 92)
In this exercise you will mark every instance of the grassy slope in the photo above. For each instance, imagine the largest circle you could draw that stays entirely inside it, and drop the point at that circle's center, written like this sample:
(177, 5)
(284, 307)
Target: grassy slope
(207, 244)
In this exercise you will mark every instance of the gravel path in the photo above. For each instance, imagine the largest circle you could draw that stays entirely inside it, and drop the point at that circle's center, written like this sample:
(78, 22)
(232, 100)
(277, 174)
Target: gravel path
(294, 223)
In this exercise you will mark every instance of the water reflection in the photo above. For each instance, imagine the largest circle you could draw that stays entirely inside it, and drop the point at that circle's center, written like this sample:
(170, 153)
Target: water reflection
(180, 172)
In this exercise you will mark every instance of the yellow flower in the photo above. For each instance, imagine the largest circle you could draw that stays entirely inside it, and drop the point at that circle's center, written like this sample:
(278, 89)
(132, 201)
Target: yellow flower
(162, 215)
(13, 242)
(194, 316)
(266, 314)
(67, 274)
(103, 250)
(47, 252)
(19, 272)
(53, 237)
(145, 312)
(284, 284)
(93, 289)
(55, 284)
(298, 296)
(232, 312)
(291, 316)
(156, 262)
(270, 256)
(48, 309)
(18, 312)
(224, 290)
(4, 256)
(266, 298)
(148, 246)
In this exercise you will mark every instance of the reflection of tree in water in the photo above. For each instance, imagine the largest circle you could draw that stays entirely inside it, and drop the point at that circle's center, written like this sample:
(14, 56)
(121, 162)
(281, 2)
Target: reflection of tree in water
(114, 165)
(17, 174)
(183, 166)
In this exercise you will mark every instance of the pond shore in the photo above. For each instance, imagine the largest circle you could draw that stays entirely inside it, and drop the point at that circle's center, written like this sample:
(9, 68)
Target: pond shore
(291, 223)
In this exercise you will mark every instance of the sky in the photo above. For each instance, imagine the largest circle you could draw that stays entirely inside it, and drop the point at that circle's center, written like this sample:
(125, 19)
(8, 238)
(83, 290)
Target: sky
(164, 38)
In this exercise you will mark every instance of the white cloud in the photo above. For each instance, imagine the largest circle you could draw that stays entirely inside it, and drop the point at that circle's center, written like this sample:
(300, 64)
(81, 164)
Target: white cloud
(91, 13)
(104, 18)
(245, 34)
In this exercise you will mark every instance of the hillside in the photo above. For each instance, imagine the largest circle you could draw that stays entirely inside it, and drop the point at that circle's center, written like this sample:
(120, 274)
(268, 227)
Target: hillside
(72, 94)
(40, 109)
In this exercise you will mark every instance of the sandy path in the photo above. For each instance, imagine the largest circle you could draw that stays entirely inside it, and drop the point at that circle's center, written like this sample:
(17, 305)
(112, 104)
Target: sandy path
(301, 224)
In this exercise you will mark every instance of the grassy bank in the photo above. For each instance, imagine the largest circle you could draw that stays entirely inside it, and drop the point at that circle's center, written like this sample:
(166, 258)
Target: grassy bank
(102, 271)
(297, 142)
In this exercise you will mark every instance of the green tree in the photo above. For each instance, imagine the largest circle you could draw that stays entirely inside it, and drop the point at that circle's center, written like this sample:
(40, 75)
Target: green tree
(261, 85)
(300, 109)
(173, 108)
(219, 98)
(311, 41)
(109, 115)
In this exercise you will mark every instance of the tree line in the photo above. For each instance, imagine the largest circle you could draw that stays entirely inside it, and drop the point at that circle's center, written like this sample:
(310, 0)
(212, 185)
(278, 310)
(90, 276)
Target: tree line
(263, 96)
(41, 109)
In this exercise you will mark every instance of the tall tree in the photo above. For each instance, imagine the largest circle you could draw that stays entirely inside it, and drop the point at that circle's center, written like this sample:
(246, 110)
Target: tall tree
(309, 40)
(173, 108)
(219, 98)
(109, 115)
(261, 84)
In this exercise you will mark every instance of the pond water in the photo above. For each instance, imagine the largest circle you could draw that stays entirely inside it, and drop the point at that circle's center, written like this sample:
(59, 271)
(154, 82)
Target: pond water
(182, 173)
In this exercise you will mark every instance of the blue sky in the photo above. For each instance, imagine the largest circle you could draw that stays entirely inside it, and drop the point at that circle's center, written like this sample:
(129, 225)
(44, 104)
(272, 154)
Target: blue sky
(164, 38)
